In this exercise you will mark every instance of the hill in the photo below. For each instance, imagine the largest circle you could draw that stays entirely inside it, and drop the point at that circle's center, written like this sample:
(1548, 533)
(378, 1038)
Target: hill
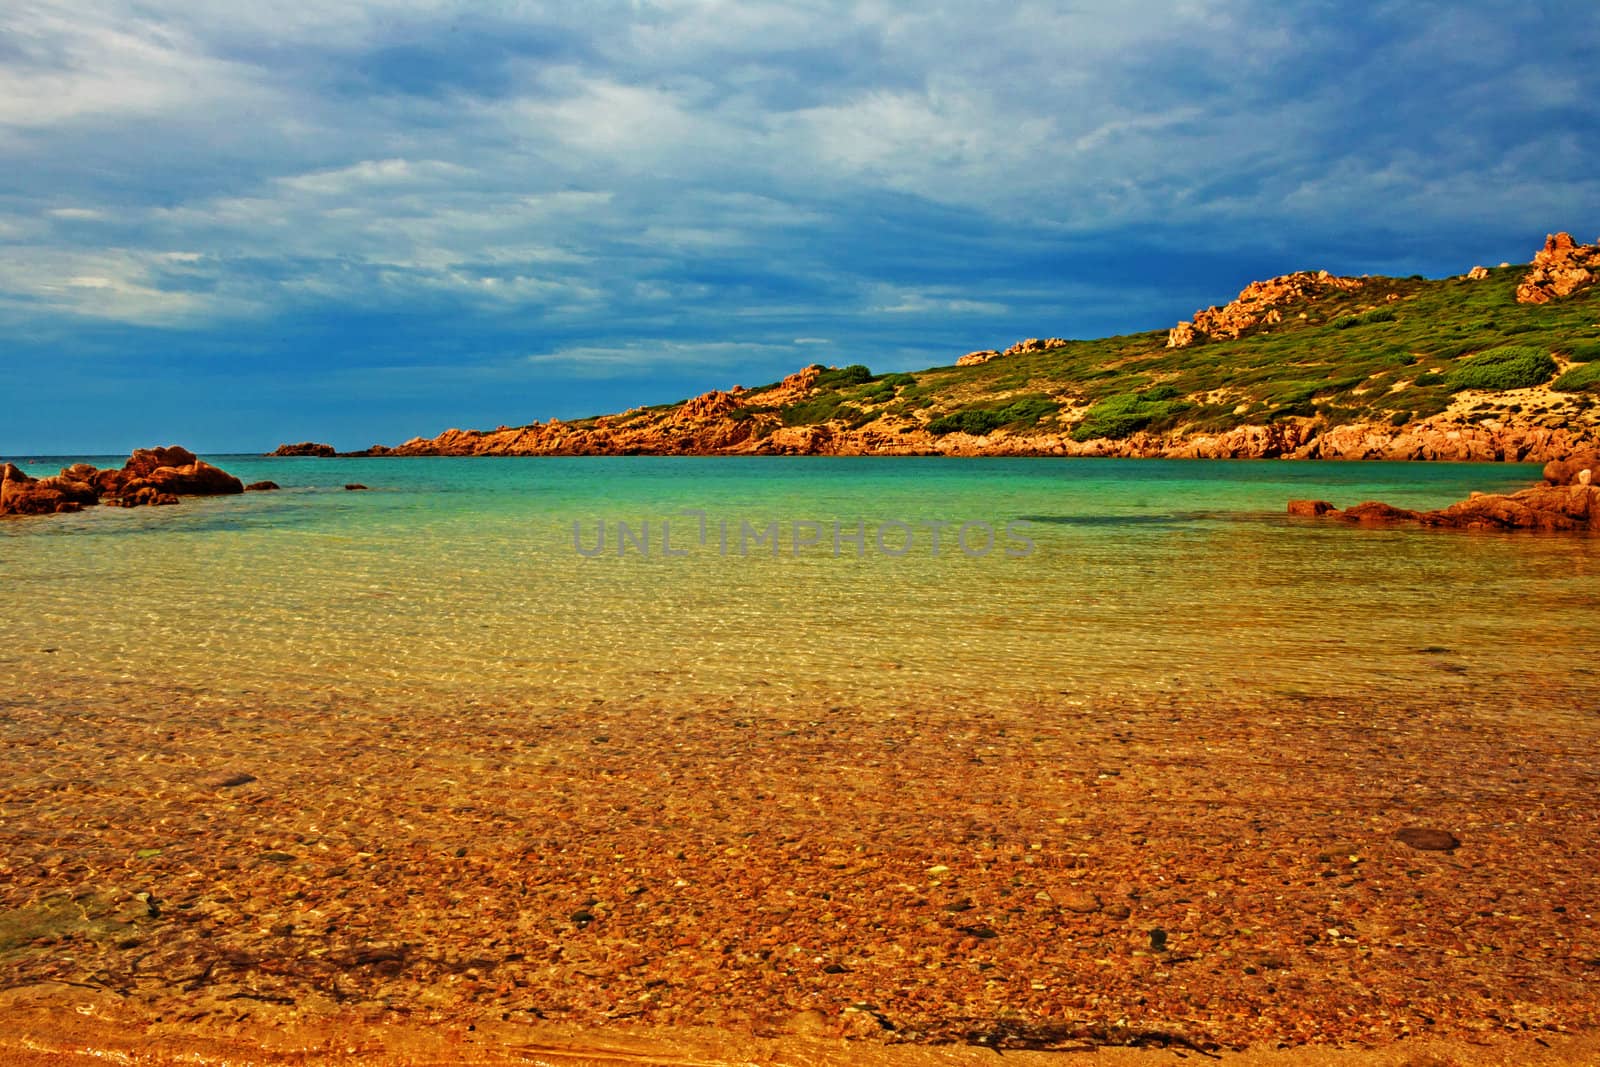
(1495, 364)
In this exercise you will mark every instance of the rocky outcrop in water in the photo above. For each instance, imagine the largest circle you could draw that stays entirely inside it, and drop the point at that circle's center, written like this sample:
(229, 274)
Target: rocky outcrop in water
(1561, 268)
(304, 448)
(1258, 304)
(1569, 500)
(153, 476)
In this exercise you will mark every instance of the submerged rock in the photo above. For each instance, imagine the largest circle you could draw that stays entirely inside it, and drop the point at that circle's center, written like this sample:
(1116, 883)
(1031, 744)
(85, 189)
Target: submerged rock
(1564, 506)
(1428, 839)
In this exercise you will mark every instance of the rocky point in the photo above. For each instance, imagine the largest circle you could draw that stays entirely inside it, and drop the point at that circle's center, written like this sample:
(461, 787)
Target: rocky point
(151, 476)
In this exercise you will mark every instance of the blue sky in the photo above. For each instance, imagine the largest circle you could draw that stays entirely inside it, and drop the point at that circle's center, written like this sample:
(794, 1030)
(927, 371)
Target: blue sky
(228, 226)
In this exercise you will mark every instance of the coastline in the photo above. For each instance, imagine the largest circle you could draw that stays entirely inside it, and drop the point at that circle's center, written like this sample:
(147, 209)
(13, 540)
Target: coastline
(1431, 440)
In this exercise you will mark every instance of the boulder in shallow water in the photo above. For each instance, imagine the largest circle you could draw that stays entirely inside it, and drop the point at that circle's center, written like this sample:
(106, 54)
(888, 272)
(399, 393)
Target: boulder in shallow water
(198, 478)
(23, 494)
(145, 460)
(1312, 508)
(1373, 511)
(262, 487)
(1571, 471)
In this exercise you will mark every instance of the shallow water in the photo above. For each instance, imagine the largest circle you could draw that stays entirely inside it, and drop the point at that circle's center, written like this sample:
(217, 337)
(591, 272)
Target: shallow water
(467, 579)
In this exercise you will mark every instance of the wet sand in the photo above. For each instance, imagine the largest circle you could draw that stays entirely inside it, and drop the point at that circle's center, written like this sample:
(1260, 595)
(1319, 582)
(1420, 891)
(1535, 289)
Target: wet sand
(1184, 876)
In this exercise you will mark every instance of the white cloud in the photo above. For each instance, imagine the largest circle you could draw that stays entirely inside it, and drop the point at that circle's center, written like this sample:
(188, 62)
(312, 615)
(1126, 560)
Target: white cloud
(609, 361)
(889, 300)
(115, 284)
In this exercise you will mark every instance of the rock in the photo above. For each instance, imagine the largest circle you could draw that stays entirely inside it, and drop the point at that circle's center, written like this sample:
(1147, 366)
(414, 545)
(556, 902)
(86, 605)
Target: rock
(1570, 471)
(1428, 840)
(197, 478)
(1183, 335)
(262, 487)
(1259, 303)
(227, 779)
(354, 487)
(1559, 269)
(1373, 511)
(1544, 507)
(145, 460)
(304, 448)
(1080, 901)
(1574, 507)
(1313, 508)
(972, 359)
(1035, 344)
(1477, 274)
(141, 496)
(154, 476)
(22, 494)
(708, 405)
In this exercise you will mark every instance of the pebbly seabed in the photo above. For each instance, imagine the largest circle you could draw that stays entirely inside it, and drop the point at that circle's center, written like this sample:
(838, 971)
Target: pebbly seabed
(408, 757)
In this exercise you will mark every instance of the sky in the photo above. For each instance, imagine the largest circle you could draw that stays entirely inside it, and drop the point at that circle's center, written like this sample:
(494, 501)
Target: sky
(228, 225)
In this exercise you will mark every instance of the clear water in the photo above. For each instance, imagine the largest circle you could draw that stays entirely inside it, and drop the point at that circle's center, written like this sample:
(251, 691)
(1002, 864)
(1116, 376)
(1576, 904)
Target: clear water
(461, 579)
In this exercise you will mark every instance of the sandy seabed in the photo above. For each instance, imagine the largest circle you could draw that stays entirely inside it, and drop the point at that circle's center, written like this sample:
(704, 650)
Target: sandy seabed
(251, 878)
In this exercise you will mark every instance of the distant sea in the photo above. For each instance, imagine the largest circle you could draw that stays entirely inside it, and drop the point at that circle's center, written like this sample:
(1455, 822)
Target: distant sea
(804, 581)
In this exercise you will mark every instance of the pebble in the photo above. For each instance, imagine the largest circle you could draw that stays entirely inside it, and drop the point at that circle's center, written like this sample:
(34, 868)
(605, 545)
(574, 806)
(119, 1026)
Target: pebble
(1078, 900)
(227, 780)
(1428, 840)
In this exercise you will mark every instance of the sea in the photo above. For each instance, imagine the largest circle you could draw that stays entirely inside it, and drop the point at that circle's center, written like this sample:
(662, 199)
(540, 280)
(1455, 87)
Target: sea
(822, 582)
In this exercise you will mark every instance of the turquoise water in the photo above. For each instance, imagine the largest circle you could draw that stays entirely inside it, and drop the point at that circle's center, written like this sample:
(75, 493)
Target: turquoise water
(462, 579)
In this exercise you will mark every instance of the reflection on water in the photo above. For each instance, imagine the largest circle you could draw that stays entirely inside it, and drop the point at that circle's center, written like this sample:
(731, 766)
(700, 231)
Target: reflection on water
(462, 577)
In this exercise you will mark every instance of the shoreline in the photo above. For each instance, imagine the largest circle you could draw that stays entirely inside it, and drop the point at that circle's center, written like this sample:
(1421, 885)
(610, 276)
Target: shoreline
(100, 1031)
(1428, 441)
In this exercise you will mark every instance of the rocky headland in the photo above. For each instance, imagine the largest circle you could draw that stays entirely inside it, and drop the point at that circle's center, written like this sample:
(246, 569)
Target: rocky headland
(1491, 365)
(150, 477)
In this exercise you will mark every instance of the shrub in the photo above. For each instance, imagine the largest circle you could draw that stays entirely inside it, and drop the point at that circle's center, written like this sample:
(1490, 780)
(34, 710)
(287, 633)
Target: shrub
(1400, 418)
(1506, 367)
(1023, 411)
(1428, 378)
(854, 374)
(1585, 351)
(897, 380)
(1584, 379)
(1118, 416)
(808, 412)
(1344, 322)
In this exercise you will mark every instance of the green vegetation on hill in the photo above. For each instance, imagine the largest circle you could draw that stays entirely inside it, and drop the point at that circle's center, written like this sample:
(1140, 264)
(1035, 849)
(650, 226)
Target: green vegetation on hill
(1584, 378)
(1394, 350)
